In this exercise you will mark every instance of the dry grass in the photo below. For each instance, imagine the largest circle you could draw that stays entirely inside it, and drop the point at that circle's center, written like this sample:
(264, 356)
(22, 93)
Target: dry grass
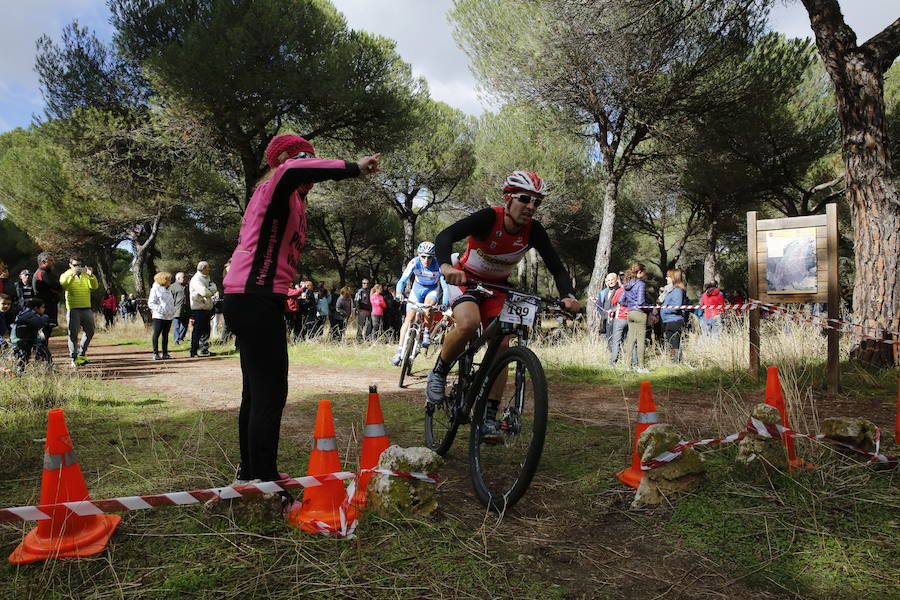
(784, 342)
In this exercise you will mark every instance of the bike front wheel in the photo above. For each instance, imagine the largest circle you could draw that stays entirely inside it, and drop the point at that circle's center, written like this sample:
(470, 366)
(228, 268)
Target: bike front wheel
(442, 420)
(406, 359)
(437, 338)
(502, 469)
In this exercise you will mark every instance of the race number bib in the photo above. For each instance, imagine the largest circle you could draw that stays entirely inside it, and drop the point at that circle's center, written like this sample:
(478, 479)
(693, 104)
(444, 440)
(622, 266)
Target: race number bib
(519, 309)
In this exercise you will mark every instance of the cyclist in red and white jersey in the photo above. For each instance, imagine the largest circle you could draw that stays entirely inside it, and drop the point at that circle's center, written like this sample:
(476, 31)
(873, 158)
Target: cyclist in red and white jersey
(498, 239)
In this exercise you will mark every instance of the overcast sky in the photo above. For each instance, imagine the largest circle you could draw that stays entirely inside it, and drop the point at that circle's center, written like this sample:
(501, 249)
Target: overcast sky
(419, 27)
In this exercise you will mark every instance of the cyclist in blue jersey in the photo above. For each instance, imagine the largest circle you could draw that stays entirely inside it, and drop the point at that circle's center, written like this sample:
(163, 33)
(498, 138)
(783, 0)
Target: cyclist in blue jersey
(429, 283)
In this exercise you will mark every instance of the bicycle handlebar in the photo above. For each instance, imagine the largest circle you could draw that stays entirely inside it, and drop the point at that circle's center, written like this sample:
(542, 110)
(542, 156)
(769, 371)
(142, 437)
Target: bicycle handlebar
(508, 288)
(421, 306)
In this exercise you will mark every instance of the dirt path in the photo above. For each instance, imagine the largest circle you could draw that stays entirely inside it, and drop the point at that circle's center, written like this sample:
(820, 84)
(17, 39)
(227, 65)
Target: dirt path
(215, 383)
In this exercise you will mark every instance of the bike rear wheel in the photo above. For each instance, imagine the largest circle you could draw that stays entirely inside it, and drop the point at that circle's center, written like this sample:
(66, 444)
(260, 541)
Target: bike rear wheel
(442, 420)
(501, 473)
(406, 359)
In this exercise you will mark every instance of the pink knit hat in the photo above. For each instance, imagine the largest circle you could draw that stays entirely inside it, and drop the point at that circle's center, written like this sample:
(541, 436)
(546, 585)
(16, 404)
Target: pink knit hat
(292, 144)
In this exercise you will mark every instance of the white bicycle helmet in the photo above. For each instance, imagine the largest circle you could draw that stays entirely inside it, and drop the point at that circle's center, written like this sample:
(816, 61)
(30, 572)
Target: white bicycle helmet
(426, 248)
(524, 181)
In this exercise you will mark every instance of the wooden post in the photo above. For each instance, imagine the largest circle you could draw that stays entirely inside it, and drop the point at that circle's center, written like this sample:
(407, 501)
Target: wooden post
(833, 373)
(753, 292)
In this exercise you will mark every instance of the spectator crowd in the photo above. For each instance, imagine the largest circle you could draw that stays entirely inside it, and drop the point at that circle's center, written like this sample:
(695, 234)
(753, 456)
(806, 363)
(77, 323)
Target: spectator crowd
(629, 315)
(186, 307)
(189, 309)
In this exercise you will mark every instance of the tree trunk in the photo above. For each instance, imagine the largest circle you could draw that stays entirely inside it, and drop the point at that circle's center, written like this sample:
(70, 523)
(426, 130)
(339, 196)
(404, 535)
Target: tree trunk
(604, 246)
(710, 261)
(252, 174)
(409, 234)
(140, 250)
(522, 274)
(137, 270)
(150, 262)
(857, 73)
(663, 255)
(102, 269)
(533, 266)
(874, 211)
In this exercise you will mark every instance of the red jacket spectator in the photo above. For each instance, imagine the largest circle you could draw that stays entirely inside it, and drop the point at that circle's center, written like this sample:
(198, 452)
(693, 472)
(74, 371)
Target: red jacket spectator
(621, 311)
(290, 303)
(378, 304)
(110, 303)
(738, 298)
(712, 296)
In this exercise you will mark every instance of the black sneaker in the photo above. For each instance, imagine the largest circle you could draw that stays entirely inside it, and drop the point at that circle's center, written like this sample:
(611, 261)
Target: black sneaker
(207, 353)
(490, 432)
(434, 389)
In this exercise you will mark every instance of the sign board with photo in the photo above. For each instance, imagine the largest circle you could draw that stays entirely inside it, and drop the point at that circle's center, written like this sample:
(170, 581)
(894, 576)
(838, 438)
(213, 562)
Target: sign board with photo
(791, 261)
(795, 261)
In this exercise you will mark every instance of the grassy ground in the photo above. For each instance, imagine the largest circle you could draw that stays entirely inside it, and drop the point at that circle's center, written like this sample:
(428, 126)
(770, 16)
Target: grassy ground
(826, 534)
(130, 443)
(798, 349)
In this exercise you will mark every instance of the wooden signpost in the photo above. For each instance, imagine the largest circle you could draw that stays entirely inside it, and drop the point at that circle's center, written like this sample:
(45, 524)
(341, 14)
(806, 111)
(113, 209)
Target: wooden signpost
(795, 260)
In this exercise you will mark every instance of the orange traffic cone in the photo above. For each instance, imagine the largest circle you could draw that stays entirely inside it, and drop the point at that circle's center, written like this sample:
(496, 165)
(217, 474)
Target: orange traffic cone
(321, 507)
(646, 417)
(375, 441)
(65, 533)
(775, 398)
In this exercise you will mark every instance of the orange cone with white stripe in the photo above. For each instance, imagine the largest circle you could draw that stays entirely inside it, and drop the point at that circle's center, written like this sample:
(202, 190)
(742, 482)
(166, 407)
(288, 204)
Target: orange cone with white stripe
(323, 505)
(68, 532)
(646, 417)
(375, 441)
(775, 398)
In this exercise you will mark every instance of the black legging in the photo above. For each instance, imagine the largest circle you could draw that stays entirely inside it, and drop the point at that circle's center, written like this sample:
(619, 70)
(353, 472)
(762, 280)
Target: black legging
(673, 330)
(257, 321)
(161, 327)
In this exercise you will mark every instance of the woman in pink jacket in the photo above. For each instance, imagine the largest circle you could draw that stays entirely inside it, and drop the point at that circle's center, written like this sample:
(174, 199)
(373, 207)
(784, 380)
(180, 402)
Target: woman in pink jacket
(379, 304)
(263, 267)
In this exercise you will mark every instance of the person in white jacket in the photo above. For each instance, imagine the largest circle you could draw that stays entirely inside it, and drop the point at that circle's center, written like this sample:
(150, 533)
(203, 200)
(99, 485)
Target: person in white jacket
(202, 291)
(162, 306)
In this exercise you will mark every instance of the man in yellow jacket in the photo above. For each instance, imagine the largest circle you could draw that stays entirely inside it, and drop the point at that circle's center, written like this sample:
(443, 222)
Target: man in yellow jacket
(78, 282)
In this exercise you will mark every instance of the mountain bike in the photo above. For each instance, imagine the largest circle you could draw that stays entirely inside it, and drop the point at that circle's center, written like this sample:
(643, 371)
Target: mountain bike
(500, 473)
(438, 332)
(413, 340)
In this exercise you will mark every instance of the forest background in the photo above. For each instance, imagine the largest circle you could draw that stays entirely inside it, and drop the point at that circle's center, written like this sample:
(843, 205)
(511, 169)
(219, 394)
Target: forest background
(658, 125)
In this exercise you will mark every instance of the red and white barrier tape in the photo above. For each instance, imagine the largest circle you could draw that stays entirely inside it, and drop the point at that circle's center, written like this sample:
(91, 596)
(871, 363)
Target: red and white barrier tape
(128, 503)
(765, 430)
(826, 323)
(823, 322)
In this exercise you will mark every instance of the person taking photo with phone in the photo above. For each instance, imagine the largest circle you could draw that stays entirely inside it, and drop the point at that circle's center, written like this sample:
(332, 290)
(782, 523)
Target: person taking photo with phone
(77, 282)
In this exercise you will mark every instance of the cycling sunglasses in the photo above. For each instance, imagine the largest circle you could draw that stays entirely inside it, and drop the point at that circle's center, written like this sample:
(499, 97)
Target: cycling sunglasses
(526, 199)
(302, 154)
